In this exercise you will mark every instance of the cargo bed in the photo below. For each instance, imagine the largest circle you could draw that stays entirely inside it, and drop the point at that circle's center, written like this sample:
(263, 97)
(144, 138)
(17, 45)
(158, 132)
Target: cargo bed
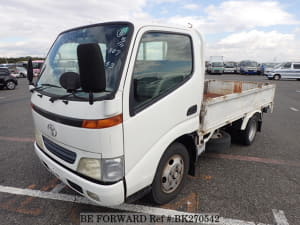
(227, 101)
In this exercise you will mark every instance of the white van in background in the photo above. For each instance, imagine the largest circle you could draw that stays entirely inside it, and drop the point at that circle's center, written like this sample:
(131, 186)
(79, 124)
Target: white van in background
(230, 67)
(287, 70)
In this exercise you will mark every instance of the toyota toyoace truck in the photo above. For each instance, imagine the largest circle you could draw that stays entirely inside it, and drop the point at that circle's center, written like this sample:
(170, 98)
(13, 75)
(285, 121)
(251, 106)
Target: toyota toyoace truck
(216, 65)
(123, 109)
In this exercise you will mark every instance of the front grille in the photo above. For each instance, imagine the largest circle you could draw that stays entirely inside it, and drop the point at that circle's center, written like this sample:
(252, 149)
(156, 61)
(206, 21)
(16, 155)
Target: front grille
(59, 151)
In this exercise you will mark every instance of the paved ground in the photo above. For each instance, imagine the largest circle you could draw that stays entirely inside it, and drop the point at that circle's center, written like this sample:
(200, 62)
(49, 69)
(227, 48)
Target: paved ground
(243, 183)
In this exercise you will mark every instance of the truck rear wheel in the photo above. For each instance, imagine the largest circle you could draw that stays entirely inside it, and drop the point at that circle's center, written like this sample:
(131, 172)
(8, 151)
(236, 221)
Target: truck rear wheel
(248, 135)
(171, 174)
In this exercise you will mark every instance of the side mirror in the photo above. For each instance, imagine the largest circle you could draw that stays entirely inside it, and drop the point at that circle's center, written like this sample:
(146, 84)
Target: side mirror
(70, 81)
(91, 68)
(30, 72)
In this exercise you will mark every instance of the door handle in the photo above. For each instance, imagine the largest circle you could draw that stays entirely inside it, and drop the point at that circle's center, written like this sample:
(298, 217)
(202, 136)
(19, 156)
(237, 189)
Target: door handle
(191, 110)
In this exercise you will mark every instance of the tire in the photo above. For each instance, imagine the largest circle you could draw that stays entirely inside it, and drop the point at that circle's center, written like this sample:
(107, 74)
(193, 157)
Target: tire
(219, 142)
(276, 77)
(10, 85)
(173, 167)
(248, 135)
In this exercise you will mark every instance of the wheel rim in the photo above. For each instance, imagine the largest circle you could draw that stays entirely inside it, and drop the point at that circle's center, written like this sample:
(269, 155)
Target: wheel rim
(252, 131)
(217, 135)
(172, 174)
(276, 77)
(10, 85)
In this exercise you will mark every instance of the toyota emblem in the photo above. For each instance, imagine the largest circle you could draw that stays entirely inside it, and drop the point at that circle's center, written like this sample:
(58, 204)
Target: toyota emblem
(52, 130)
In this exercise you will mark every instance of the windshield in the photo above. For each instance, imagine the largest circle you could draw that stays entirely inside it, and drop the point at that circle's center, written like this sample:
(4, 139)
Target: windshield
(277, 66)
(249, 63)
(217, 64)
(229, 65)
(269, 65)
(113, 40)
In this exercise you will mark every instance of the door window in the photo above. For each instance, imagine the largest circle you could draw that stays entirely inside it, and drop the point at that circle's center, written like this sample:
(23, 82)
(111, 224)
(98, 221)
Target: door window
(163, 63)
(297, 66)
(287, 66)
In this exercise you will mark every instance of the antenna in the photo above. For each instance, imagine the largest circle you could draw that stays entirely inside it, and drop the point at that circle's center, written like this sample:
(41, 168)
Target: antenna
(190, 25)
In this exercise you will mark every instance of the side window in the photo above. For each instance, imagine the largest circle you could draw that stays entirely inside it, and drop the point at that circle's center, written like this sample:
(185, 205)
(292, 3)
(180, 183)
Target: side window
(297, 66)
(4, 72)
(163, 63)
(287, 65)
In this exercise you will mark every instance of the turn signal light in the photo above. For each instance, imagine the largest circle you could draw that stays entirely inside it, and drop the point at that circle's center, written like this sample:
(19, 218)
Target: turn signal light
(105, 123)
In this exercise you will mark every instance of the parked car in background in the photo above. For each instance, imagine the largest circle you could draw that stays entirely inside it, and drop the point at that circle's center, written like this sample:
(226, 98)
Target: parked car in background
(6, 80)
(22, 64)
(229, 67)
(20, 72)
(248, 67)
(267, 67)
(11, 67)
(258, 68)
(238, 67)
(287, 70)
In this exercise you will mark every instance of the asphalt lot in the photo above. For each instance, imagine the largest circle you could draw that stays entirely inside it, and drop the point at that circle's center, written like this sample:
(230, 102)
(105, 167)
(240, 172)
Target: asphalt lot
(243, 183)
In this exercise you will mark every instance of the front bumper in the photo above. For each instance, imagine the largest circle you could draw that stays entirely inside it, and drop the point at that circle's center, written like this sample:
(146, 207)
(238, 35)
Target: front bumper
(270, 75)
(250, 72)
(108, 195)
(217, 71)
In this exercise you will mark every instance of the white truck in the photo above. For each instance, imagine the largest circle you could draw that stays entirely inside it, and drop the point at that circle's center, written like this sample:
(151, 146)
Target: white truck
(216, 65)
(134, 112)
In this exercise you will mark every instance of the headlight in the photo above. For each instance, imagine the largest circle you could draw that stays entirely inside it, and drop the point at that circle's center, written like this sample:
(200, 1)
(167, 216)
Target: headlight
(112, 169)
(90, 168)
(108, 170)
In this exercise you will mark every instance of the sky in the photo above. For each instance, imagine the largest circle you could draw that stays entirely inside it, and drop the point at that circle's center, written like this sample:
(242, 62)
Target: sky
(261, 30)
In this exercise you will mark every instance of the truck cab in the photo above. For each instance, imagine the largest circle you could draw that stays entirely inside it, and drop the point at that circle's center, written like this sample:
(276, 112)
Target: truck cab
(106, 138)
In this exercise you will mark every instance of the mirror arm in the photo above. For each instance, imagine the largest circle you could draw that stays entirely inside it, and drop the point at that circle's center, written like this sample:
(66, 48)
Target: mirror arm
(32, 87)
(91, 98)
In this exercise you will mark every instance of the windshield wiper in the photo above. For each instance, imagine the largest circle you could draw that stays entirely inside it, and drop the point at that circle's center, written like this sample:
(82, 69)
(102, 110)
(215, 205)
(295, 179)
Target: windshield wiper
(54, 98)
(44, 86)
(73, 93)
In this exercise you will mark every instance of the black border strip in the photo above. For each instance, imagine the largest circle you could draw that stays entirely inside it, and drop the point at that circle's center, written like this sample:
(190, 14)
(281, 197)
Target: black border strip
(111, 95)
(58, 118)
(135, 110)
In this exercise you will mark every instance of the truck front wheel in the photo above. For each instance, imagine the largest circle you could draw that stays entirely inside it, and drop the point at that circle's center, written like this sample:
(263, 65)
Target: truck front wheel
(171, 174)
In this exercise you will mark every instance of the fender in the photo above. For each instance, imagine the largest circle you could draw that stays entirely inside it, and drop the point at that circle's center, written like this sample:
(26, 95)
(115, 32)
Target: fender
(247, 118)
